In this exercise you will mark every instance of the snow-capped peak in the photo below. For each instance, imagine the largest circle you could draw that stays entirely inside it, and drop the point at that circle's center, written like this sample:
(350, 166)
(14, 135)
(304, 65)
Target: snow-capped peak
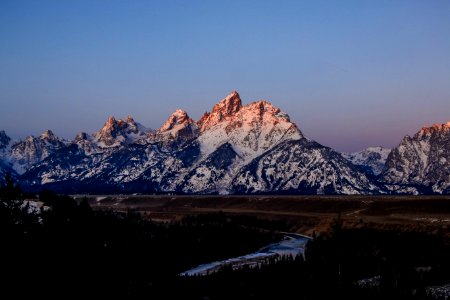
(81, 136)
(231, 104)
(23, 154)
(426, 131)
(250, 129)
(84, 142)
(202, 120)
(130, 120)
(227, 107)
(178, 119)
(117, 132)
(423, 159)
(373, 158)
(262, 107)
(48, 135)
(110, 127)
(135, 127)
(110, 123)
(436, 126)
(178, 128)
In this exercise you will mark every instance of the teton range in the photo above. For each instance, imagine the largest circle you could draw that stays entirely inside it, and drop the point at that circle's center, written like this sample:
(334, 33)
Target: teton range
(236, 149)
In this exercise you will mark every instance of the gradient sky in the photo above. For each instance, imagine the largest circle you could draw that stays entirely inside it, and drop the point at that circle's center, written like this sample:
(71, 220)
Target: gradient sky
(351, 74)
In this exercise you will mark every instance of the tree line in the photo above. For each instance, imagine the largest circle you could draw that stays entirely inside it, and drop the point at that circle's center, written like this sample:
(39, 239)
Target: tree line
(66, 249)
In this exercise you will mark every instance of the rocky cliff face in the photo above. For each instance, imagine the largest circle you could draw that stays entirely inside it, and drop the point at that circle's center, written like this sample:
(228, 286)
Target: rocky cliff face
(118, 132)
(32, 150)
(302, 166)
(223, 110)
(251, 129)
(176, 131)
(422, 160)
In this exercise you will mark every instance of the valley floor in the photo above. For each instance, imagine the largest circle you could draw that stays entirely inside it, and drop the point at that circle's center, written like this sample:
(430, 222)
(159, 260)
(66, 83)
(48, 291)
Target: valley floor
(306, 214)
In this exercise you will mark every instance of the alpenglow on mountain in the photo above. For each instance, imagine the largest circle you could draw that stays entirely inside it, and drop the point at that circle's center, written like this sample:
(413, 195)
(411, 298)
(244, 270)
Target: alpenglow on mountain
(421, 163)
(233, 149)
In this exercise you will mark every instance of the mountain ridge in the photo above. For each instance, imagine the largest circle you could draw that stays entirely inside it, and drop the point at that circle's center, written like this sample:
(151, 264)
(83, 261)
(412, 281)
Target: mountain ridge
(234, 148)
(422, 160)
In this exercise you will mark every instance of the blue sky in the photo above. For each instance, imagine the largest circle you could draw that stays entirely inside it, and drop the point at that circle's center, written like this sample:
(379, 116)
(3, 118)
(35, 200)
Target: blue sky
(351, 74)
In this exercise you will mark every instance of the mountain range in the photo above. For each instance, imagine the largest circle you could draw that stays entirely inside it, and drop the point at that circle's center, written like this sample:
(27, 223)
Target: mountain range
(233, 149)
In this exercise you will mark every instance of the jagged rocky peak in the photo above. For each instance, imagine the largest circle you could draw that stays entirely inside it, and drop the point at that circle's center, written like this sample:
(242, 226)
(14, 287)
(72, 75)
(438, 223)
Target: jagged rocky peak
(32, 150)
(226, 108)
(267, 117)
(264, 107)
(131, 125)
(111, 126)
(231, 108)
(49, 137)
(423, 159)
(117, 132)
(84, 142)
(136, 127)
(82, 136)
(130, 121)
(4, 139)
(178, 129)
(251, 129)
(111, 134)
(202, 119)
(113, 123)
(435, 129)
(178, 119)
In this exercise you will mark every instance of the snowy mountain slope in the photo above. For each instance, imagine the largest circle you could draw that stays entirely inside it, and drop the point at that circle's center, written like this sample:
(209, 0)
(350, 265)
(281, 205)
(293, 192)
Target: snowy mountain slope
(86, 143)
(230, 136)
(372, 158)
(302, 166)
(214, 173)
(422, 160)
(23, 154)
(182, 155)
(63, 165)
(235, 148)
(251, 129)
(176, 131)
(119, 132)
(107, 170)
(131, 167)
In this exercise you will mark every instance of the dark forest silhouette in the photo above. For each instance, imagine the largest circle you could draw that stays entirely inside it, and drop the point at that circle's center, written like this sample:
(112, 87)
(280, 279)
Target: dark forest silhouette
(66, 249)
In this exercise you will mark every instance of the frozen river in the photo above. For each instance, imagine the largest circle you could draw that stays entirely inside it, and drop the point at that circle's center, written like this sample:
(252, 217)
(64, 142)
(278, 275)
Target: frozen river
(292, 244)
